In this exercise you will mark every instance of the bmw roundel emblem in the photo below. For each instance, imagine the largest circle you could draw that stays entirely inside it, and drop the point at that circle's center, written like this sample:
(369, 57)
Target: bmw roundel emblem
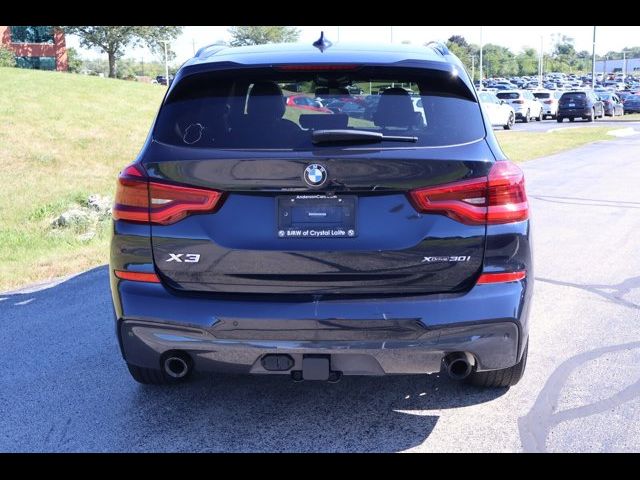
(315, 175)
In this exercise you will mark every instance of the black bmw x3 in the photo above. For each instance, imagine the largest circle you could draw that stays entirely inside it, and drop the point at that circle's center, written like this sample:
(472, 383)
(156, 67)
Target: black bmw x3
(258, 235)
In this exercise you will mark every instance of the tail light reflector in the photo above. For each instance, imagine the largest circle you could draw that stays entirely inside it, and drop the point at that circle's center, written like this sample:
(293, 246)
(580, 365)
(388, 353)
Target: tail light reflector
(498, 198)
(141, 200)
(501, 277)
(137, 276)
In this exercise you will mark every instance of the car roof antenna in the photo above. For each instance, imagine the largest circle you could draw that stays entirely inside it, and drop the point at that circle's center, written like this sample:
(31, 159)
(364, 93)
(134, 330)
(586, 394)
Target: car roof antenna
(322, 43)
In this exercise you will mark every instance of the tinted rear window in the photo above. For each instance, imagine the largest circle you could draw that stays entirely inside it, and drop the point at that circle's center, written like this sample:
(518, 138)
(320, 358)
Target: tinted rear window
(265, 108)
(542, 95)
(508, 95)
(574, 97)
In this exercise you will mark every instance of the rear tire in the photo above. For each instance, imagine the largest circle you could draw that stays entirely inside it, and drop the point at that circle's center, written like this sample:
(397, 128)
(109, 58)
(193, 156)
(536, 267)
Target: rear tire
(592, 117)
(506, 377)
(510, 122)
(559, 119)
(571, 119)
(527, 118)
(150, 376)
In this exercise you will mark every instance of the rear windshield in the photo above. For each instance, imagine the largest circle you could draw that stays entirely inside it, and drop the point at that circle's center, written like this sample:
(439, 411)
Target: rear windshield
(573, 97)
(542, 95)
(267, 109)
(508, 95)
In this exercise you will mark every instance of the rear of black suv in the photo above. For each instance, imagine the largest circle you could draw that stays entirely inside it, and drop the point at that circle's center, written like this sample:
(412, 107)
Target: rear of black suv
(254, 237)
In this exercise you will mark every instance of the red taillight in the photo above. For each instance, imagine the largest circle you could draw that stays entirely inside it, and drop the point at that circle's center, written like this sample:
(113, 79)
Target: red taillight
(519, 102)
(132, 196)
(507, 200)
(501, 277)
(137, 276)
(139, 200)
(170, 203)
(548, 102)
(498, 198)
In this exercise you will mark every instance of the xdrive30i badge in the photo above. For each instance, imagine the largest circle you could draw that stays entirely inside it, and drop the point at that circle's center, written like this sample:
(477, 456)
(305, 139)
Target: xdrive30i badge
(315, 175)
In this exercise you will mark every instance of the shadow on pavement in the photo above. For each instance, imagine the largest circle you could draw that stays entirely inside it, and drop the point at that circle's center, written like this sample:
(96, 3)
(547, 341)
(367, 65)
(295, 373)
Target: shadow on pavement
(67, 389)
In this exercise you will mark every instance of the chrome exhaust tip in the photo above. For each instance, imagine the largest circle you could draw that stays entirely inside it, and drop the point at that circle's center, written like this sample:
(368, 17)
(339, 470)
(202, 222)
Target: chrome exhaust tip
(458, 365)
(176, 367)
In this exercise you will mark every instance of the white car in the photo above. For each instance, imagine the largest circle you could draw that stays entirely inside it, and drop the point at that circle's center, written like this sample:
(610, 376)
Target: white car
(524, 104)
(498, 111)
(549, 100)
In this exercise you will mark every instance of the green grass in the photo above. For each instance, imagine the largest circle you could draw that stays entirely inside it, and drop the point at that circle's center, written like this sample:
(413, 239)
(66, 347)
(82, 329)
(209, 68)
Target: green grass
(521, 146)
(62, 137)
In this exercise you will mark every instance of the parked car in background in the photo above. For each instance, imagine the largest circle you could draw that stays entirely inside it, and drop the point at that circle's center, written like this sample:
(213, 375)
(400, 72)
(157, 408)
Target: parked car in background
(304, 102)
(632, 104)
(352, 109)
(524, 104)
(499, 112)
(624, 95)
(612, 104)
(162, 80)
(549, 100)
(585, 105)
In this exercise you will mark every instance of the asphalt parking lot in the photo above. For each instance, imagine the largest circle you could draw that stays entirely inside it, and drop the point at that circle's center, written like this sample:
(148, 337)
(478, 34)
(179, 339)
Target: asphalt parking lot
(64, 387)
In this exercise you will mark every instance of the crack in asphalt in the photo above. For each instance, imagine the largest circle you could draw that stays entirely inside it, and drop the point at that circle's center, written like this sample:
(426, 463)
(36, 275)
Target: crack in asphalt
(535, 427)
(586, 202)
(621, 289)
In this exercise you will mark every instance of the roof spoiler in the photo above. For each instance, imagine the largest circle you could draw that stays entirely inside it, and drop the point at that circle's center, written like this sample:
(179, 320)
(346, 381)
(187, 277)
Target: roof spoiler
(439, 47)
(210, 50)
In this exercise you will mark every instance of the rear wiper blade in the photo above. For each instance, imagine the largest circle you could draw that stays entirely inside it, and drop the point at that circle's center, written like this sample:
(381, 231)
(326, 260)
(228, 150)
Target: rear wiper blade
(356, 136)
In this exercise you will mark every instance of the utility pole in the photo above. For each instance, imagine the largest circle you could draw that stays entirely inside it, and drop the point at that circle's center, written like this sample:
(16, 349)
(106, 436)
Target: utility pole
(338, 33)
(540, 63)
(624, 65)
(193, 46)
(481, 77)
(473, 68)
(166, 63)
(391, 34)
(593, 60)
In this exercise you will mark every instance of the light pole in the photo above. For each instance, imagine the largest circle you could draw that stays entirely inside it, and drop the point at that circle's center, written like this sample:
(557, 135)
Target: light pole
(540, 63)
(481, 78)
(624, 65)
(473, 68)
(593, 60)
(166, 62)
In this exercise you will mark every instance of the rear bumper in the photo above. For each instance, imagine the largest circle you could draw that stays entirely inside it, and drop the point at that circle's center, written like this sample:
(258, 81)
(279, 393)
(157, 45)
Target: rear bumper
(574, 112)
(373, 336)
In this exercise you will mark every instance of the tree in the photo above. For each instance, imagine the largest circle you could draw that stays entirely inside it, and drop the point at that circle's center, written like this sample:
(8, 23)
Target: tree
(74, 60)
(113, 40)
(458, 40)
(262, 34)
(7, 57)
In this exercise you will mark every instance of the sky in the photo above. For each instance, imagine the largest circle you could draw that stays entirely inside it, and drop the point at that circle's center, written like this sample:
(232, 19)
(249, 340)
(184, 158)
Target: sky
(608, 38)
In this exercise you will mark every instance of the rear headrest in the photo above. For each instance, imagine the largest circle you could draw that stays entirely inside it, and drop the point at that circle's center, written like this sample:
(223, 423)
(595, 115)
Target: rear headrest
(395, 109)
(266, 101)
